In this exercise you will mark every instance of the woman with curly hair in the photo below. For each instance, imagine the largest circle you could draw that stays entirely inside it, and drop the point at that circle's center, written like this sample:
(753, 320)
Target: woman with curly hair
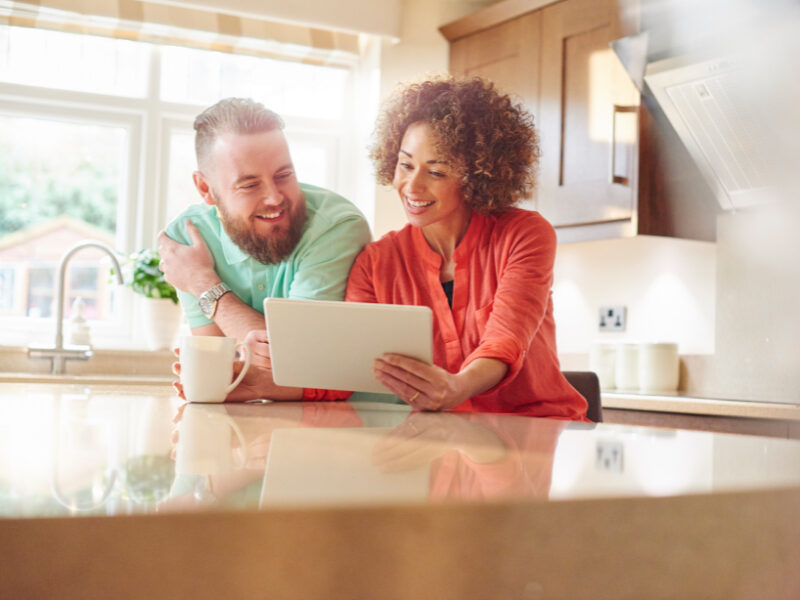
(461, 155)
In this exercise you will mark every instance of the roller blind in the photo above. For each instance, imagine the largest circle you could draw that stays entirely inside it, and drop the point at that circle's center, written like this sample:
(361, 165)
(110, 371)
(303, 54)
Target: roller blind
(166, 24)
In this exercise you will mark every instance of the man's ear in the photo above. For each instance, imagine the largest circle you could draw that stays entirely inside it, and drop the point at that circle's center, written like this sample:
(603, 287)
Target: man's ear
(203, 187)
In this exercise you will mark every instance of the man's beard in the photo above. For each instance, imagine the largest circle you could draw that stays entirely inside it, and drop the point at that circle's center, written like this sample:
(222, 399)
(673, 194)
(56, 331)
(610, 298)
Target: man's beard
(271, 249)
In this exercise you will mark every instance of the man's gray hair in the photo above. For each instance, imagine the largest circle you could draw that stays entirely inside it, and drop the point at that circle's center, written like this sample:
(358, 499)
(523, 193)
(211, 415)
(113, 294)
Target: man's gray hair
(231, 115)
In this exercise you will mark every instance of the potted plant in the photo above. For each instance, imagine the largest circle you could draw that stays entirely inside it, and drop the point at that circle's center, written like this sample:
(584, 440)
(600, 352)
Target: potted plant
(160, 313)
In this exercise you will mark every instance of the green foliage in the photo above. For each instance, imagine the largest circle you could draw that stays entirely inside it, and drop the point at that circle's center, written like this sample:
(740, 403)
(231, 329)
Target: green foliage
(34, 193)
(145, 276)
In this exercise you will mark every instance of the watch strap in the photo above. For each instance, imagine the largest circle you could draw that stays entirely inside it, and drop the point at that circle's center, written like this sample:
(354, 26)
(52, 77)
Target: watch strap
(216, 292)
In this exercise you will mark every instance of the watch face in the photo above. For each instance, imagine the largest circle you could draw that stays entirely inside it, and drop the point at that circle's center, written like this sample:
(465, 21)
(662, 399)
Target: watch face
(205, 305)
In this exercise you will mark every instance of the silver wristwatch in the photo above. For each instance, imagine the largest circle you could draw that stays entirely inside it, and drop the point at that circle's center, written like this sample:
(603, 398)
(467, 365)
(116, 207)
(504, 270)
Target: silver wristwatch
(208, 299)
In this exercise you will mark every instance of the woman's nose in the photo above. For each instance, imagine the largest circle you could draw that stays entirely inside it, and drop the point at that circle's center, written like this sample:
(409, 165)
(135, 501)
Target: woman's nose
(415, 181)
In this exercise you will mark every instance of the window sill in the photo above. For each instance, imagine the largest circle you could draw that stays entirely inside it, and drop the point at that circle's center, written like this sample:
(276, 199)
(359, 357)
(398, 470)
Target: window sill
(156, 365)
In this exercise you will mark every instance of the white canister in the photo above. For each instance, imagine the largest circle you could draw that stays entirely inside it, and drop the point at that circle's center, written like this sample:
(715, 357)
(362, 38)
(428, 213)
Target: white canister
(603, 360)
(627, 367)
(659, 367)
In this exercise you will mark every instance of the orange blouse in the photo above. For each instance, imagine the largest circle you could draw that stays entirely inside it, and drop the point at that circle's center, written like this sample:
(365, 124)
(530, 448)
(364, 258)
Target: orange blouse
(502, 306)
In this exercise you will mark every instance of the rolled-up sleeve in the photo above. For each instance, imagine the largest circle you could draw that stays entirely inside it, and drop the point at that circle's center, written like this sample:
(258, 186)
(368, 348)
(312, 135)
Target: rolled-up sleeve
(522, 297)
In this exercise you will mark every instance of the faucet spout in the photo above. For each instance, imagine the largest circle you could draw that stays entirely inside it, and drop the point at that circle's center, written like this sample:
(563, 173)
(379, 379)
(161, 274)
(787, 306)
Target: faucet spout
(62, 272)
(59, 355)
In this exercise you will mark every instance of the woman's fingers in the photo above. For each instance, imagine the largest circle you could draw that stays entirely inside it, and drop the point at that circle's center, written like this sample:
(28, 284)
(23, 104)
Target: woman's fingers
(400, 373)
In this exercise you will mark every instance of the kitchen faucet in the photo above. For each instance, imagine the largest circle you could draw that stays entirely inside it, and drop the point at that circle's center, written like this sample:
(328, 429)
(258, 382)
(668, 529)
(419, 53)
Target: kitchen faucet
(59, 355)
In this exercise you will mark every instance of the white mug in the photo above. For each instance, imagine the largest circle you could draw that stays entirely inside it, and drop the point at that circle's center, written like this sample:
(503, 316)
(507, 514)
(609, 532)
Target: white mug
(207, 367)
(204, 441)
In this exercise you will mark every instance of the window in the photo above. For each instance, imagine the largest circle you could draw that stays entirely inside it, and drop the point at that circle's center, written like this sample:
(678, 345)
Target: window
(7, 276)
(96, 142)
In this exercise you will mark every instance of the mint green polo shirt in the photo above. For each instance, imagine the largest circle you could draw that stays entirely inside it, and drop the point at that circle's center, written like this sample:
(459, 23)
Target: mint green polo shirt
(317, 269)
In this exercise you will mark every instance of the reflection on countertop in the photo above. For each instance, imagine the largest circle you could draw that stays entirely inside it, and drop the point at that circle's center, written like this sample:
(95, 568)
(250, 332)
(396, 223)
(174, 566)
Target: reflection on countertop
(73, 450)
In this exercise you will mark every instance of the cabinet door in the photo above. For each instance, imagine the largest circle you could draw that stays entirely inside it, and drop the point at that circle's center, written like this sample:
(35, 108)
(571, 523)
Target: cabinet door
(508, 55)
(588, 110)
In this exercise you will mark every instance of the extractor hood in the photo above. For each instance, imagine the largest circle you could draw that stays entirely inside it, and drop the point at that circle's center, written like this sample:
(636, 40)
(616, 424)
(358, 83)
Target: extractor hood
(710, 91)
(705, 103)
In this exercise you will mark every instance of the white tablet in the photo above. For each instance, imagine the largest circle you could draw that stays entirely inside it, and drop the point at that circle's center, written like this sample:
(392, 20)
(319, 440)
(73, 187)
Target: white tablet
(332, 345)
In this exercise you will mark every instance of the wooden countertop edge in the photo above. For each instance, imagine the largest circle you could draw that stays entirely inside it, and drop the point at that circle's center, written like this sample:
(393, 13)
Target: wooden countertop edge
(492, 15)
(701, 406)
(720, 546)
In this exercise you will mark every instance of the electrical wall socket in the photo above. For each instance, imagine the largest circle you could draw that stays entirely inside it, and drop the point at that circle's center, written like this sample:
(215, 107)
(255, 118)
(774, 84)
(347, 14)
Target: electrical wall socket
(609, 456)
(611, 318)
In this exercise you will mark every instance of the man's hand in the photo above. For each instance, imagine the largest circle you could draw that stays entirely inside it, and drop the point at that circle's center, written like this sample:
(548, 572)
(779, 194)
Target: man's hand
(256, 342)
(188, 268)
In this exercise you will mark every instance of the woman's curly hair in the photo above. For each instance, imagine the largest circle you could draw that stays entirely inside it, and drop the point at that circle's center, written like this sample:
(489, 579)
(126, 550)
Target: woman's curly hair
(490, 140)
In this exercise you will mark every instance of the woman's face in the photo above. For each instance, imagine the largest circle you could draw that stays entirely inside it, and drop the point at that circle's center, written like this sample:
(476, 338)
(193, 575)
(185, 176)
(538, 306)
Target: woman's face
(427, 183)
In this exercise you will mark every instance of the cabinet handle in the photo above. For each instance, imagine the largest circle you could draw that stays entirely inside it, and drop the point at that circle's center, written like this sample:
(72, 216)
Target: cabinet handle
(623, 179)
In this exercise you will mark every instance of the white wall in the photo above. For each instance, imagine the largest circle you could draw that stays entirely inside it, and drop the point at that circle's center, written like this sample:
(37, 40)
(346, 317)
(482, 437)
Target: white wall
(668, 286)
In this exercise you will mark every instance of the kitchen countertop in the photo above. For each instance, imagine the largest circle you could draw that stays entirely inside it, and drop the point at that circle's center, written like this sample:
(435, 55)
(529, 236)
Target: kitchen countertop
(677, 402)
(102, 481)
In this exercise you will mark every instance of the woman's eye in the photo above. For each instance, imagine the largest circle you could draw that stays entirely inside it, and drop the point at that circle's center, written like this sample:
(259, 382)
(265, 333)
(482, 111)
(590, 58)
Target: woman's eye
(249, 186)
(437, 174)
(406, 166)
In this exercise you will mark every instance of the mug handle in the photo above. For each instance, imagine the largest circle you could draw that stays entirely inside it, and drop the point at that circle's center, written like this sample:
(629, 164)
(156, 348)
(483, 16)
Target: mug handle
(242, 443)
(243, 372)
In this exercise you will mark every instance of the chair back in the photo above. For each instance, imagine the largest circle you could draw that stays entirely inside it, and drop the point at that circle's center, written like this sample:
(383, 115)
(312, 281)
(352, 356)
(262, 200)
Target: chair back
(588, 385)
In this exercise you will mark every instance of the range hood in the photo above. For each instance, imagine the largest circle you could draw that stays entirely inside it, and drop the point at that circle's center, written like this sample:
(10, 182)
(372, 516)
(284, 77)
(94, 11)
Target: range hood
(703, 101)
(706, 90)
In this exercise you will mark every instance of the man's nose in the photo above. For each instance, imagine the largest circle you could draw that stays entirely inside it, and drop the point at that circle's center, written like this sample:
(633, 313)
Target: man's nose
(272, 195)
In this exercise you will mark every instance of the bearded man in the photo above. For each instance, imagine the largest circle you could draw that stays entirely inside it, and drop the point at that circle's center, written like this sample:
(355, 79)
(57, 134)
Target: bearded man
(259, 233)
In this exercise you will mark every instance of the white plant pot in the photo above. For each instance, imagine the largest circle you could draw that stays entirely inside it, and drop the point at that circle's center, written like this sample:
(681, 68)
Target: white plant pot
(161, 320)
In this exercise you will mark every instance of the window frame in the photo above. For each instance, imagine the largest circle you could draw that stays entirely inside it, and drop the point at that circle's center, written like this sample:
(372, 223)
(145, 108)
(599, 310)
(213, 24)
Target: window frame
(141, 214)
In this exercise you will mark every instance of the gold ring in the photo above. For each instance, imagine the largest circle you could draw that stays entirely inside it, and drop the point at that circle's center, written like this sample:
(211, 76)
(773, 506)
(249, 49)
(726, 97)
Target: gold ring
(413, 397)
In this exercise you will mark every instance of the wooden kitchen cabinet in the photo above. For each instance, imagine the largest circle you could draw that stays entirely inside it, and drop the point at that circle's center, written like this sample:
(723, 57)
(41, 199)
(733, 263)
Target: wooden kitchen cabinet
(588, 117)
(611, 166)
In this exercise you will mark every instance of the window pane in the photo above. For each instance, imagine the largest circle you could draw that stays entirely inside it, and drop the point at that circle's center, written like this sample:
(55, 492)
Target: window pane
(41, 291)
(6, 290)
(41, 277)
(69, 61)
(180, 189)
(202, 77)
(84, 279)
(310, 158)
(60, 183)
(52, 168)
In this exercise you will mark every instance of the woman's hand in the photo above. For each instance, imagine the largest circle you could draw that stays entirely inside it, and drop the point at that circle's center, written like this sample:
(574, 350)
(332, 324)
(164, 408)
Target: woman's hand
(424, 387)
(428, 387)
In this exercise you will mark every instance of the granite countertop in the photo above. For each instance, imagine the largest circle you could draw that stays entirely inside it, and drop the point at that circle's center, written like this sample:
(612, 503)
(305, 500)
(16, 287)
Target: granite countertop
(99, 481)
